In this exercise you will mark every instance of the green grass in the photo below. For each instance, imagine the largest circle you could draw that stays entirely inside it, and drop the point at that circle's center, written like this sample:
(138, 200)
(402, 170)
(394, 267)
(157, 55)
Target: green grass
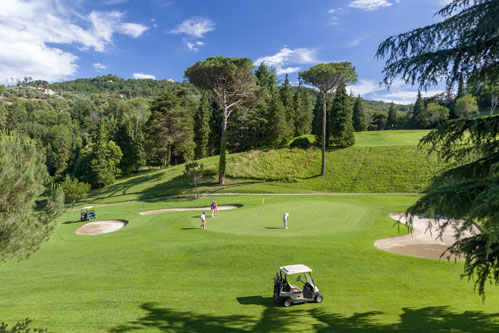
(390, 168)
(162, 273)
(389, 138)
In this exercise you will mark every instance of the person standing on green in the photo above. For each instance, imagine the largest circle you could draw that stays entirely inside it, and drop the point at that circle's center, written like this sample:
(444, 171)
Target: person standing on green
(285, 220)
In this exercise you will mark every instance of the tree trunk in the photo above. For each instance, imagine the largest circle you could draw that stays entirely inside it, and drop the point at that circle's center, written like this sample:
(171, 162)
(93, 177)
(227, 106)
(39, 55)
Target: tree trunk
(323, 168)
(223, 146)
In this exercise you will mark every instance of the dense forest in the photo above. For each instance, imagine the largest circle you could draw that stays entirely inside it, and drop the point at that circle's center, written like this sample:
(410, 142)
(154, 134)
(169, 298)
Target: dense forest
(106, 127)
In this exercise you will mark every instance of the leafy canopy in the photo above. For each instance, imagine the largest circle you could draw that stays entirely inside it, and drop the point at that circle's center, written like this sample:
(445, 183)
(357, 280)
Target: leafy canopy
(23, 175)
(464, 45)
(327, 76)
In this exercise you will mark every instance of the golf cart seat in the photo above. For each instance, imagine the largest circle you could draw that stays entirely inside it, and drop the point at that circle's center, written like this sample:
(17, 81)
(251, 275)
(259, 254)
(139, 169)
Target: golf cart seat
(294, 288)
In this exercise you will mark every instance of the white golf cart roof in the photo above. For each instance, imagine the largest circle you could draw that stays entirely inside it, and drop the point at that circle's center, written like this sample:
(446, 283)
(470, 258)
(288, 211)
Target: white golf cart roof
(295, 269)
(88, 207)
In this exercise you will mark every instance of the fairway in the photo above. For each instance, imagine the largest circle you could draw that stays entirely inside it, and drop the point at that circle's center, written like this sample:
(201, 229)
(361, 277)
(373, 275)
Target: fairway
(389, 138)
(163, 273)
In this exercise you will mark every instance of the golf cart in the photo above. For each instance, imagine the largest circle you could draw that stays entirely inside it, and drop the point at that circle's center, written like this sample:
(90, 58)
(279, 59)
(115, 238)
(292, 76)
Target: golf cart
(87, 214)
(287, 293)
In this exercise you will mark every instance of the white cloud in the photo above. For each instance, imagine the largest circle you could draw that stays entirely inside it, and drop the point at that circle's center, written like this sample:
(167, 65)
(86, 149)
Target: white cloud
(369, 4)
(98, 66)
(357, 41)
(399, 92)
(288, 56)
(195, 27)
(332, 10)
(143, 76)
(30, 32)
(132, 29)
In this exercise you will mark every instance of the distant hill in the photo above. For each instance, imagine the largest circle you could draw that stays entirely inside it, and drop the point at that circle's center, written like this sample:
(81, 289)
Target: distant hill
(112, 85)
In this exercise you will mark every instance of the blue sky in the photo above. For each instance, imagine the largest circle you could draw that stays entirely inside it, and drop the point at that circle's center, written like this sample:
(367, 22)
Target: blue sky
(57, 40)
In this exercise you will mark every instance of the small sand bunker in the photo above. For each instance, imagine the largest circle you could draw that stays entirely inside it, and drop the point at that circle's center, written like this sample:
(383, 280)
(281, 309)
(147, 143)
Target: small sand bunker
(423, 242)
(223, 207)
(101, 227)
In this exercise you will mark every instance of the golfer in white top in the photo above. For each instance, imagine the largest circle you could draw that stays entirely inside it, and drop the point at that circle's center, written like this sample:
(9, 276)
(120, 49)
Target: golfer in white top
(285, 220)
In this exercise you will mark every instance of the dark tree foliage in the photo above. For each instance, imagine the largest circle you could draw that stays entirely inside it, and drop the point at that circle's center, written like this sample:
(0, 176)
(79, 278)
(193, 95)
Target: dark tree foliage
(303, 111)
(464, 45)
(378, 122)
(468, 192)
(391, 121)
(289, 107)
(23, 175)
(98, 163)
(420, 117)
(341, 120)
(130, 138)
(170, 130)
(359, 117)
(202, 127)
(279, 133)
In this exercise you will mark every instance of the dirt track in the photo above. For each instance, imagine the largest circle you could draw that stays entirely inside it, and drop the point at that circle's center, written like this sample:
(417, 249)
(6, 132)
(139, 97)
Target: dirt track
(423, 242)
(223, 207)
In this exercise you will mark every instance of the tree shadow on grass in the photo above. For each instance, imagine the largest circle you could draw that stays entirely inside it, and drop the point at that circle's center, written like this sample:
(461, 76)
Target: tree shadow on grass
(279, 319)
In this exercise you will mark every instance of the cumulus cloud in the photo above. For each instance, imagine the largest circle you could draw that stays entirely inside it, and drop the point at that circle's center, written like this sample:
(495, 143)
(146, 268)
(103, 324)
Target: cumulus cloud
(399, 92)
(99, 67)
(369, 4)
(143, 76)
(285, 57)
(195, 27)
(30, 32)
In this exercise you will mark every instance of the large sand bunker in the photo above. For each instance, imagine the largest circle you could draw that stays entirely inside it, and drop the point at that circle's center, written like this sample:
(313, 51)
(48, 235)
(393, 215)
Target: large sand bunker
(101, 227)
(424, 241)
(223, 207)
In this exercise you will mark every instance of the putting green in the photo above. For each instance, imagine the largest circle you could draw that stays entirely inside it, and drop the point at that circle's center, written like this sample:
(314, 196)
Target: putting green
(309, 217)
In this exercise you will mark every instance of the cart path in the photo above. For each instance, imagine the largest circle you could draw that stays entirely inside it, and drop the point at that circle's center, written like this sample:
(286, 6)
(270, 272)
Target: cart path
(424, 241)
(157, 211)
(101, 227)
(180, 196)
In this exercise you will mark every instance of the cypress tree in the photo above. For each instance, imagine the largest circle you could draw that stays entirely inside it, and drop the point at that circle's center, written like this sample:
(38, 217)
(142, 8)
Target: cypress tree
(202, 127)
(419, 116)
(278, 131)
(341, 120)
(289, 108)
(303, 112)
(391, 122)
(317, 119)
(359, 117)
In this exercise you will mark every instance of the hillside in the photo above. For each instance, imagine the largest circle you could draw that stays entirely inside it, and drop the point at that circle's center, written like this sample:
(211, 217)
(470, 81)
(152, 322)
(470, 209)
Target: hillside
(375, 168)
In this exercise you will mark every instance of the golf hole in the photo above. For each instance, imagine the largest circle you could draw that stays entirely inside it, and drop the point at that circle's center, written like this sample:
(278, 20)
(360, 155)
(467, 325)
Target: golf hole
(101, 227)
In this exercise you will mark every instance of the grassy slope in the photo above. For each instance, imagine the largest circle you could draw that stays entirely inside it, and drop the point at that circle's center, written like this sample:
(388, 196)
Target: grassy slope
(162, 273)
(385, 161)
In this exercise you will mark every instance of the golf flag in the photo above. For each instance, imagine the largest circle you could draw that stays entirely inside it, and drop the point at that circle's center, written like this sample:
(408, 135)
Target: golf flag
(263, 205)
(263, 201)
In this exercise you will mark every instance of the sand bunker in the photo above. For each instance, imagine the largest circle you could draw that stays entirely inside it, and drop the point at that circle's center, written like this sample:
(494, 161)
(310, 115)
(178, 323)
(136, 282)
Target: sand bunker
(101, 227)
(423, 242)
(208, 209)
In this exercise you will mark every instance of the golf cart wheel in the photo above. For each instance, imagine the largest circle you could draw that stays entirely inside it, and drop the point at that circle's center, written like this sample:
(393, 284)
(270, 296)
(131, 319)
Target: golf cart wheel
(318, 299)
(287, 303)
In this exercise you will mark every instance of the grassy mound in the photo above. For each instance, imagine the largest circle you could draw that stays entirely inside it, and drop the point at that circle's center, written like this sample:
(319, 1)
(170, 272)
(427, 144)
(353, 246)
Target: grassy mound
(162, 273)
(362, 169)
(383, 166)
